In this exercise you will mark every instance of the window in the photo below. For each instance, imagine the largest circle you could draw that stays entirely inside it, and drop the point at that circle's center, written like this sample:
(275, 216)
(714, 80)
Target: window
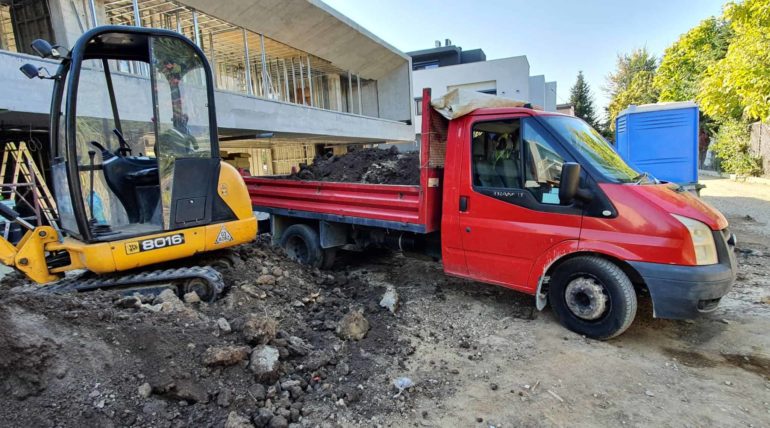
(593, 147)
(497, 154)
(418, 106)
(425, 65)
(542, 165)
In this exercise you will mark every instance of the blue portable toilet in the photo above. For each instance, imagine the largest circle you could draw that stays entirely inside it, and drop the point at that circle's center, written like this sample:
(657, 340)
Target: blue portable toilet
(661, 139)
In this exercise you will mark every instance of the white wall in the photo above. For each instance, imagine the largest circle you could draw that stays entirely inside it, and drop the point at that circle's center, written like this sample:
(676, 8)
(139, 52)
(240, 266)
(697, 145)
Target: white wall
(537, 90)
(550, 96)
(508, 76)
(393, 98)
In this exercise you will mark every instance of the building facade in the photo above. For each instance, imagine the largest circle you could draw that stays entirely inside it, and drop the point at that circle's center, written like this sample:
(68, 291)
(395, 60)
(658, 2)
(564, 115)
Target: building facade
(446, 67)
(287, 72)
(566, 108)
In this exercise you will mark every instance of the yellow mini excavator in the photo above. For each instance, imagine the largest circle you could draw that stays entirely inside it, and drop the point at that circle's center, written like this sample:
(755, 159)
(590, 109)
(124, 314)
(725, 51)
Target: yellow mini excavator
(135, 167)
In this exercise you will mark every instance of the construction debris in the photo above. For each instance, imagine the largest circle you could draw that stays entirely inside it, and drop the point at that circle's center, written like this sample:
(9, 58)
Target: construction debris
(225, 355)
(104, 359)
(353, 326)
(264, 363)
(372, 165)
(389, 300)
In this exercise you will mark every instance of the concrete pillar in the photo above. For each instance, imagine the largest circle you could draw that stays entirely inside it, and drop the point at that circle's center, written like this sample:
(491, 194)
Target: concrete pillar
(249, 83)
(69, 20)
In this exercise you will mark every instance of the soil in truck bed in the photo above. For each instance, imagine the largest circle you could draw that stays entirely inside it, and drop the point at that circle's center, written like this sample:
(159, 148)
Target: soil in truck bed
(372, 166)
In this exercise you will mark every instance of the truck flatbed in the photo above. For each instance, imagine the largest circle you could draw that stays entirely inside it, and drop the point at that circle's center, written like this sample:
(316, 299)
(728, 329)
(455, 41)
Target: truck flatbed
(406, 208)
(399, 207)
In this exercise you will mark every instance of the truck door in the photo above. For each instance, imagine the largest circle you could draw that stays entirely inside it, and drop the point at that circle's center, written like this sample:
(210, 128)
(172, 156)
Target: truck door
(509, 207)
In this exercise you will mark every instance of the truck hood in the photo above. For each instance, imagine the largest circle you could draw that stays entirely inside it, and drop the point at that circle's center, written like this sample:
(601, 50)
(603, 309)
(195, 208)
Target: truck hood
(681, 203)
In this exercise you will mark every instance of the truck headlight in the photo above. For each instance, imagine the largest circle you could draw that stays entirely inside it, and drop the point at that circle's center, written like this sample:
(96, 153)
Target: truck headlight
(702, 240)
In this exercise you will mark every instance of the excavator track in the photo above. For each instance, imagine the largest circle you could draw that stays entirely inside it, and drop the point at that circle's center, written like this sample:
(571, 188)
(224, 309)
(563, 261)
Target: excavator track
(206, 281)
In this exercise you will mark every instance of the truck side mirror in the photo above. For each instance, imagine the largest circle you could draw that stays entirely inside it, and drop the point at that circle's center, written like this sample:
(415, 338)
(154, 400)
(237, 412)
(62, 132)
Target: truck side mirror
(568, 185)
(32, 71)
(43, 49)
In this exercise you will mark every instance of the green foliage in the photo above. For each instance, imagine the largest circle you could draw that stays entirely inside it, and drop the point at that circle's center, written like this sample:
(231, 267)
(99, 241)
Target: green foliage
(731, 144)
(738, 85)
(582, 100)
(684, 63)
(631, 83)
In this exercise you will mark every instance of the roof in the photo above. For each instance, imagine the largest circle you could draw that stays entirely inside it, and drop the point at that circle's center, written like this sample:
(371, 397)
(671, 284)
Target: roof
(643, 108)
(433, 51)
(313, 27)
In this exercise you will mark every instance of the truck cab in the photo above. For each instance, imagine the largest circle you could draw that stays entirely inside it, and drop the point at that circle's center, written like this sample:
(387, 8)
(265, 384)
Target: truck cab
(539, 202)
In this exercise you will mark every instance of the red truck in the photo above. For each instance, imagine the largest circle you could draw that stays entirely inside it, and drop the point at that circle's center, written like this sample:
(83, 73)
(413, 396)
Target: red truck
(530, 200)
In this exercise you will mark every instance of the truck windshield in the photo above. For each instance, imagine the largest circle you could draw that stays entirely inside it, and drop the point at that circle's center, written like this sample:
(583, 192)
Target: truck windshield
(593, 147)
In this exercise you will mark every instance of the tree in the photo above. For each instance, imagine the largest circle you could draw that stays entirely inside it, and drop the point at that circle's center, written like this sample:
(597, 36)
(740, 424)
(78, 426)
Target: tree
(631, 83)
(582, 100)
(684, 63)
(731, 144)
(738, 85)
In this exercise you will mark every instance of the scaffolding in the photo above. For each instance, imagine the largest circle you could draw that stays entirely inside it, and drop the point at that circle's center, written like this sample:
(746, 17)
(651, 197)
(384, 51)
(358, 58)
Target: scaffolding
(23, 184)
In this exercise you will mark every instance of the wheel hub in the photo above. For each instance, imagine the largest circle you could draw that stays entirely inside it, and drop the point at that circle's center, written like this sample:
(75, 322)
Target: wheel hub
(297, 250)
(586, 298)
(201, 287)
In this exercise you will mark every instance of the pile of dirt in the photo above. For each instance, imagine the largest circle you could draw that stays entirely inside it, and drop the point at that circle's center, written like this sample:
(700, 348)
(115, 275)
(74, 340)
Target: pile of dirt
(373, 166)
(285, 345)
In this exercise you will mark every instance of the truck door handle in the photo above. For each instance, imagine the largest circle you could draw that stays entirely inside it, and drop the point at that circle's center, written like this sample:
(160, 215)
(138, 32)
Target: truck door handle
(463, 204)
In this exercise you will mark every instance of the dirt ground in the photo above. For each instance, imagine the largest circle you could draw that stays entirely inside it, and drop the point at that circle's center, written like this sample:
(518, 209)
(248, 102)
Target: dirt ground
(478, 355)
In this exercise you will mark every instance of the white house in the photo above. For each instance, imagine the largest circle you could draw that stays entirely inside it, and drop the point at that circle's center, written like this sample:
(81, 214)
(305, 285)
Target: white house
(447, 67)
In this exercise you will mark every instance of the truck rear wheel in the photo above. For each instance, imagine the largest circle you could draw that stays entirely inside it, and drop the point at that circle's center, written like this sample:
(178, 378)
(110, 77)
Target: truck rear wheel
(592, 296)
(302, 245)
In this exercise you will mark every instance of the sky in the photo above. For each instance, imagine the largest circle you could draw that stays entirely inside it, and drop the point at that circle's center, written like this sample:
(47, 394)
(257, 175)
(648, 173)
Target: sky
(559, 37)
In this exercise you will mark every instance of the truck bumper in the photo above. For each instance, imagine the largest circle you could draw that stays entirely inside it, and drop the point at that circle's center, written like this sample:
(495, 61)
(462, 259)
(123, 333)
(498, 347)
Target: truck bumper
(684, 292)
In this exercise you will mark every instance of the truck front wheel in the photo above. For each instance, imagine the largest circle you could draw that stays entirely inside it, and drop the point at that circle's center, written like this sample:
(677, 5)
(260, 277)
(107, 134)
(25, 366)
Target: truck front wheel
(592, 296)
(302, 244)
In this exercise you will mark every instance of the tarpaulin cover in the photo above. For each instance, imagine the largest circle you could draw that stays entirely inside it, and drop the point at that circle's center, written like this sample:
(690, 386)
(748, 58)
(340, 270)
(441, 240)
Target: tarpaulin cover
(459, 102)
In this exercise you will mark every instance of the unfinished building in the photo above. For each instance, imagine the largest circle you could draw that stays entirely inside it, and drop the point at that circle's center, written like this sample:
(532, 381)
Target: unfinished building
(292, 77)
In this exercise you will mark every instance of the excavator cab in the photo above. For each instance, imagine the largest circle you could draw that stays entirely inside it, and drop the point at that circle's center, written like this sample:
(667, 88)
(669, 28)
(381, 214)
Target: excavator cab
(134, 153)
(135, 164)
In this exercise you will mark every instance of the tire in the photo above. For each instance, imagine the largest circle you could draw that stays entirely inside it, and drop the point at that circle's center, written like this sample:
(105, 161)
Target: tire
(592, 296)
(302, 245)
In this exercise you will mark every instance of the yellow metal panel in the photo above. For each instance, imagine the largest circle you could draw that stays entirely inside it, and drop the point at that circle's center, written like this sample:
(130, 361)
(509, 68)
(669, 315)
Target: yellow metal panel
(234, 192)
(157, 248)
(7, 252)
(223, 235)
(94, 257)
(30, 258)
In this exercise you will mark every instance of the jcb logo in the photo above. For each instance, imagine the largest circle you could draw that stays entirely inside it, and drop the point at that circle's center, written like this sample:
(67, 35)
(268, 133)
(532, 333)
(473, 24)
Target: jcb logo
(154, 243)
(132, 247)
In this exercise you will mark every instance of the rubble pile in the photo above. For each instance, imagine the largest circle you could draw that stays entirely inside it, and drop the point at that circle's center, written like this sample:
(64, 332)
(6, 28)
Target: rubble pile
(285, 345)
(372, 166)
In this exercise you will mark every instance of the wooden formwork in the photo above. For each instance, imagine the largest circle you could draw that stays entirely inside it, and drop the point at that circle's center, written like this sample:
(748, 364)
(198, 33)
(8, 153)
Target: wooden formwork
(291, 155)
(256, 160)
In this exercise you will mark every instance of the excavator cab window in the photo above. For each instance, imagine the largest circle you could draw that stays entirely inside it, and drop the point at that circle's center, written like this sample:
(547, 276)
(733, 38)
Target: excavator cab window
(139, 140)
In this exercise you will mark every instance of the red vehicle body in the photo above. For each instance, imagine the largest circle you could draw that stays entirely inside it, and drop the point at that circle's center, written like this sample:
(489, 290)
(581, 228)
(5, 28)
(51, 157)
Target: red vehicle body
(616, 232)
